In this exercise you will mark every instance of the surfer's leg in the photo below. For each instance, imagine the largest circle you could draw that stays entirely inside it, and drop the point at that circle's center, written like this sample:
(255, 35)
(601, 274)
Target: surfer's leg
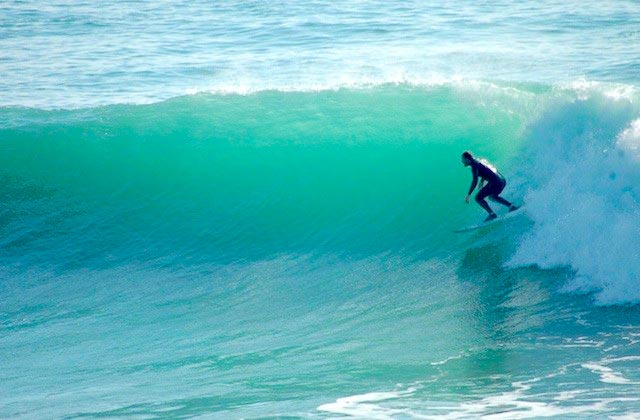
(500, 200)
(480, 199)
(494, 196)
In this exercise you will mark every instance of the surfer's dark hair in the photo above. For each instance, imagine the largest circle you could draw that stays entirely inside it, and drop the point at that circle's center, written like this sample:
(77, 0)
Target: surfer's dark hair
(467, 155)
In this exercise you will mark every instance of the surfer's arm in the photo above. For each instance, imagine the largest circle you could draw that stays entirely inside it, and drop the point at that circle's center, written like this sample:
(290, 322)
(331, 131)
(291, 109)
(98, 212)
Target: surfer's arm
(474, 182)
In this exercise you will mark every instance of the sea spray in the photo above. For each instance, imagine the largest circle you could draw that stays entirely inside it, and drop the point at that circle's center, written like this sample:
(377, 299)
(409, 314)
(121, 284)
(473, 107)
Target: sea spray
(580, 163)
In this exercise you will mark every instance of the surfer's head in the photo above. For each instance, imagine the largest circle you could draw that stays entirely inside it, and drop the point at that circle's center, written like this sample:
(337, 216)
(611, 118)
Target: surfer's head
(467, 158)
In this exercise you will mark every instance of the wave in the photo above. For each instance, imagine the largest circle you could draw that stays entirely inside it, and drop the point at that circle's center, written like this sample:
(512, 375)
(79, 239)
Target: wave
(226, 178)
(240, 176)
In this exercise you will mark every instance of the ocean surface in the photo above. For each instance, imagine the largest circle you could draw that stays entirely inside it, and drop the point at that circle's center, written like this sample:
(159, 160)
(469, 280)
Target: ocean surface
(245, 210)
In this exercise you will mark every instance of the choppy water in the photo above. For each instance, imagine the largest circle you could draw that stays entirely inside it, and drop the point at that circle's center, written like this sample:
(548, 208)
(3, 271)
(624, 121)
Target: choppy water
(79, 54)
(245, 210)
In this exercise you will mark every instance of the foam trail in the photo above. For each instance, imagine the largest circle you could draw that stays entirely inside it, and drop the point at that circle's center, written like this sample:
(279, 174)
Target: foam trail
(362, 405)
(607, 375)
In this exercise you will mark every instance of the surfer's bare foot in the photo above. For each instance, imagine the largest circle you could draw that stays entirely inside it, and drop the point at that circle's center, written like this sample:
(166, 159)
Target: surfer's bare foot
(490, 217)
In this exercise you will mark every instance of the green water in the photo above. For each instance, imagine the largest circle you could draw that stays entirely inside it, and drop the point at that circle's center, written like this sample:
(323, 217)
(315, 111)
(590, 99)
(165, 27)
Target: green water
(291, 254)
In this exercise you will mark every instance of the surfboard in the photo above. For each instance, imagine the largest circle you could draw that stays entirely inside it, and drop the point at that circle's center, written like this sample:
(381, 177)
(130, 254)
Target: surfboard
(506, 216)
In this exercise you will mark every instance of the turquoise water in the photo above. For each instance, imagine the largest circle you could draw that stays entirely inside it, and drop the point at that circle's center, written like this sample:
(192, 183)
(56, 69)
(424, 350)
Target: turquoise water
(245, 210)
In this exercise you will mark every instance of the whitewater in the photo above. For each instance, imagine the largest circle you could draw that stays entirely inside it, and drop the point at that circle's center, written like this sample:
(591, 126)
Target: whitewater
(245, 210)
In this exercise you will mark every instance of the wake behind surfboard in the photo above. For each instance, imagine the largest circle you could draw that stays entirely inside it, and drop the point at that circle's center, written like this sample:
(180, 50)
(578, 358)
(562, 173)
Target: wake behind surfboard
(491, 222)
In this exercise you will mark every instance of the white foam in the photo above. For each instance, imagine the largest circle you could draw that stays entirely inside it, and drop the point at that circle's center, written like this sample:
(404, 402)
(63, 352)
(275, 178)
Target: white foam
(448, 359)
(582, 169)
(517, 402)
(623, 359)
(357, 80)
(362, 405)
(607, 375)
(587, 88)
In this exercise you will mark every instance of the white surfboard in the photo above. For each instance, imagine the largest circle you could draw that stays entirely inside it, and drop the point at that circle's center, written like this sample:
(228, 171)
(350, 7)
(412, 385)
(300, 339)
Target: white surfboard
(491, 222)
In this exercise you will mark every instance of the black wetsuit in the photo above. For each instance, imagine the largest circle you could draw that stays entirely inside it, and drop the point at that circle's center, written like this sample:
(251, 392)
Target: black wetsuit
(495, 184)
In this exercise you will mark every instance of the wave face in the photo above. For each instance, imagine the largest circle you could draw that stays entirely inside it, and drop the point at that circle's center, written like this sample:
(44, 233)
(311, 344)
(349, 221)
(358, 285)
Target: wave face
(291, 254)
(244, 177)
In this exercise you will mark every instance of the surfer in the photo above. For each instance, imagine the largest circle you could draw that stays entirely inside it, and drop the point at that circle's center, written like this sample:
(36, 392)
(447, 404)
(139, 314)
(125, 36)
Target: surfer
(495, 184)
